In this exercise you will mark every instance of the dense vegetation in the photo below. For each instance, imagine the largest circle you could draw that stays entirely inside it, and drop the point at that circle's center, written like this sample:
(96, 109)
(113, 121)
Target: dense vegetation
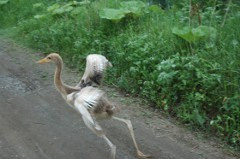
(185, 58)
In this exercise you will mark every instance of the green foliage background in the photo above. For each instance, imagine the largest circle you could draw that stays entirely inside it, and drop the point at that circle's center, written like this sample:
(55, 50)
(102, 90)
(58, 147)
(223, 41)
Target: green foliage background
(190, 70)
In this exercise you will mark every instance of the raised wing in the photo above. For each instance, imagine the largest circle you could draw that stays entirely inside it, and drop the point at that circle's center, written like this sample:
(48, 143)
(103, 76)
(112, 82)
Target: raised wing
(94, 71)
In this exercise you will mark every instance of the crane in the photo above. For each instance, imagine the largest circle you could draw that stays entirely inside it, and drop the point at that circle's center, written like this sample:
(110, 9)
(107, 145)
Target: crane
(90, 102)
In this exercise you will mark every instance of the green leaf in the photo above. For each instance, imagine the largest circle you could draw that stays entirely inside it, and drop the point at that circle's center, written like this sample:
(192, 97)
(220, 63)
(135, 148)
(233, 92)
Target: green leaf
(38, 16)
(77, 10)
(4, 2)
(155, 8)
(112, 14)
(135, 7)
(193, 34)
(198, 117)
(85, 2)
(53, 7)
(38, 5)
(204, 31)
(76, 3)
(63, 9)
(184, 33)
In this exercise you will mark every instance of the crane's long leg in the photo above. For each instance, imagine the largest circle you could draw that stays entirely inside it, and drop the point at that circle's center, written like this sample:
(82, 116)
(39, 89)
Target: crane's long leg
(99, 132)
(113, 147)
(130, 127)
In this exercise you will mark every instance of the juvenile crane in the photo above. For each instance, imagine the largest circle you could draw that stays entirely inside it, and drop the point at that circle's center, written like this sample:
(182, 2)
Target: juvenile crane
(91, 103)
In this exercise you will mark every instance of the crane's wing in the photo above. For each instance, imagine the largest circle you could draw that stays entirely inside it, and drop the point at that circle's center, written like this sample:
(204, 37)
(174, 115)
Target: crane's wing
(85, 101)
(94, 71)
(88, 120)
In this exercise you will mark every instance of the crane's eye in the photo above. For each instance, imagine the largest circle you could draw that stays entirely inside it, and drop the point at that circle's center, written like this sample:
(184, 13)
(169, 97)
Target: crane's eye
(49, 58)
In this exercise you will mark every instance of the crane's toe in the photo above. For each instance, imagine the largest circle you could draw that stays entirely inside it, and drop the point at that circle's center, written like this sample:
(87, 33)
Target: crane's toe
(142, 155)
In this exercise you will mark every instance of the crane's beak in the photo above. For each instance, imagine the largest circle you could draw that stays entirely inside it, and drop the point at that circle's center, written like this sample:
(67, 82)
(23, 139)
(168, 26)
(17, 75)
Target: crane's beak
(42, 61)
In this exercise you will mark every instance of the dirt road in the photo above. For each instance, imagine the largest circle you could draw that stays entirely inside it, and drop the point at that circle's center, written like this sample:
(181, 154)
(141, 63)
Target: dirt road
(35, 122)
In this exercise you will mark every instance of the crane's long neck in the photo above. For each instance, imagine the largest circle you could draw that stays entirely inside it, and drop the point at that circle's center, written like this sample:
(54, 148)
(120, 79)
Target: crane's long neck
(58, 71)
(62, 88)
(57, 78)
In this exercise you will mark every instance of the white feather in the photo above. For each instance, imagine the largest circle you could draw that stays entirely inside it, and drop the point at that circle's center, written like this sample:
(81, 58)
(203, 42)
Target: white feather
(80, 102)
(95, 63)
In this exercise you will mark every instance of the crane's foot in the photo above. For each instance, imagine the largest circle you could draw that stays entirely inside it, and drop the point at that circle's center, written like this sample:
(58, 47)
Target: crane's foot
(113, 152)
(143, 156)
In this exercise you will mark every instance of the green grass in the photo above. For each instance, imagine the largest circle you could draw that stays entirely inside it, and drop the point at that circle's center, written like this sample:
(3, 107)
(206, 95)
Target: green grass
(193, 77)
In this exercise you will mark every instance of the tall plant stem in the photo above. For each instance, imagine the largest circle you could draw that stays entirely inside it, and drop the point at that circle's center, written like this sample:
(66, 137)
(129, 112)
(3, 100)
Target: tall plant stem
(190, 10)
(227, 10)
(213, 11)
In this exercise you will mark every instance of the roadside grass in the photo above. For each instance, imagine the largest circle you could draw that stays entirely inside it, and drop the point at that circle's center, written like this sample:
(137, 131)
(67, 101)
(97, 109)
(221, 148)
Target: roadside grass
(187, 69)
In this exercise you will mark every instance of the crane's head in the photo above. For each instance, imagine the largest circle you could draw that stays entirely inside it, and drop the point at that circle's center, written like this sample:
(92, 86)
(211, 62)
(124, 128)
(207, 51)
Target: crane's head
(53, 57)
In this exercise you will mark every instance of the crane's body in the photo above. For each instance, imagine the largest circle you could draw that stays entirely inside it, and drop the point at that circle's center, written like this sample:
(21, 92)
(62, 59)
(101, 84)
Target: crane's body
(90, 102)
